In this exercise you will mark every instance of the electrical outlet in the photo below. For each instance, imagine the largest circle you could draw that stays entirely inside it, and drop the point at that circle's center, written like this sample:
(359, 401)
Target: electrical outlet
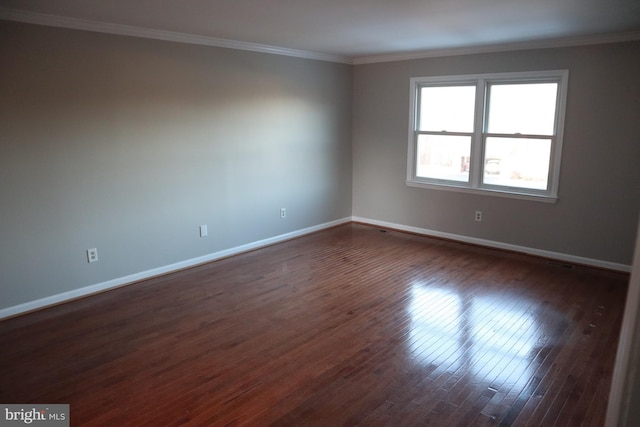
(92, 255)
(283, 212)
(203, 231)
(478, 215)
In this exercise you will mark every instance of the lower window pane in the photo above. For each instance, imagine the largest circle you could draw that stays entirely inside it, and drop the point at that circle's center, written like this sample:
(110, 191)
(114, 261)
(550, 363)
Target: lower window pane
(443, 157)
(517, 162)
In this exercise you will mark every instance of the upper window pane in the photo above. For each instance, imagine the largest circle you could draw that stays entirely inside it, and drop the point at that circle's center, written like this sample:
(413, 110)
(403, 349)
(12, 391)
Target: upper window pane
(447, 108)
(528, 108)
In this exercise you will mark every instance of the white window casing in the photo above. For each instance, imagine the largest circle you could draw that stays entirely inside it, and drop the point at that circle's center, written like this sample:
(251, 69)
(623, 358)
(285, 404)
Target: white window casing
(475, 179)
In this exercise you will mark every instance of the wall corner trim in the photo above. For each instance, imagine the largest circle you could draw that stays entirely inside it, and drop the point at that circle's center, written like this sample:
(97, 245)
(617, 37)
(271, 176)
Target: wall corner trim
(52, 300)
(574, 259)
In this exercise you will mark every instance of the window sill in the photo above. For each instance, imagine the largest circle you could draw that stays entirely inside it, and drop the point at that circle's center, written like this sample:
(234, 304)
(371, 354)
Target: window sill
(486, 192)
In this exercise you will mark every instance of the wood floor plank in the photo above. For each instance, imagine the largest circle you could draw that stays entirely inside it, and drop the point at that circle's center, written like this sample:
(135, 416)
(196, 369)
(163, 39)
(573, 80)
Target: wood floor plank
(349, 326)
(566, 366)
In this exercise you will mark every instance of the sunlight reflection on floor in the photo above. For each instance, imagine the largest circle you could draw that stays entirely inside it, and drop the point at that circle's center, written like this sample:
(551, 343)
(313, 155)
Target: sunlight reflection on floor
(491, 337)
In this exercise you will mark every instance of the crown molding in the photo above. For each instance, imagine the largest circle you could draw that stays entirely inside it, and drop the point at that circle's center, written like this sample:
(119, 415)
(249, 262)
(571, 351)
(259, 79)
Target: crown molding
(133, 31)
(149, 33)
(504, 47)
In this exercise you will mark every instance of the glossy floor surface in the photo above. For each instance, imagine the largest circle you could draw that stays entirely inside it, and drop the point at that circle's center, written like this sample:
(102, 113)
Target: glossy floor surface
(350, 326)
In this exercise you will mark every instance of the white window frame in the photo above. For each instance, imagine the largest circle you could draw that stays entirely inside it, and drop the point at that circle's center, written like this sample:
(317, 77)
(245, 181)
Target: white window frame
(475, 185)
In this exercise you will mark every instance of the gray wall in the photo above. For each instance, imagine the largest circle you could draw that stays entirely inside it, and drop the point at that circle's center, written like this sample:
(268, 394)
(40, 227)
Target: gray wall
(128, 145)
(599, 194)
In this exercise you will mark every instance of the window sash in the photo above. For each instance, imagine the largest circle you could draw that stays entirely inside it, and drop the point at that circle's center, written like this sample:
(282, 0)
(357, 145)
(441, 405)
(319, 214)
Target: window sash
(476, 181)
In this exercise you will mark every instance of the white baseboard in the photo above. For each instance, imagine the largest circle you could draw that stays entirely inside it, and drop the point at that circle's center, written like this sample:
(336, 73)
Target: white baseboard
(574, 259)
(126, 280)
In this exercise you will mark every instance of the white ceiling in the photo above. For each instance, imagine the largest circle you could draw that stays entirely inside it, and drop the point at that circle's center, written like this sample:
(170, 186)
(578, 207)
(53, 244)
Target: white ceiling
(351, 29)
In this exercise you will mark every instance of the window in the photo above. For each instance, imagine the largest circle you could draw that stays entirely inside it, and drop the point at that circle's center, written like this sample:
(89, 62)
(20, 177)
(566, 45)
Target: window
(493, 133)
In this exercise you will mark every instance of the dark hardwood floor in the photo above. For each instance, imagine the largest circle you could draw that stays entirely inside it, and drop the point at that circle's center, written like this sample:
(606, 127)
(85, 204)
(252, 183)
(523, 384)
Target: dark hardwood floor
(350, 326)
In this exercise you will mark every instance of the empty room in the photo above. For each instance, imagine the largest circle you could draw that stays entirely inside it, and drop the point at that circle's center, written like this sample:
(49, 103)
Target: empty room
(356, 213)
